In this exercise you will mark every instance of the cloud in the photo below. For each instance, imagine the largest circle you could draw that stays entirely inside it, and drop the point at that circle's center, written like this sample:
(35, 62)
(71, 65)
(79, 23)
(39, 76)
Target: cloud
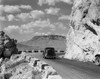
(1, 9)
(49, 2)
(23, 16)
(34, 14)
(52, 11)
(60, 25)
(28, 7)
(20, 29)
(42, 33)
(52, 2)
(38, 23)
(29, 27)
(11, 17)
(26, 31)
(14, 9)
(43, 23)
(12, 28)
(11, 9)
(2, 18)
(67, 1)
(64, 17)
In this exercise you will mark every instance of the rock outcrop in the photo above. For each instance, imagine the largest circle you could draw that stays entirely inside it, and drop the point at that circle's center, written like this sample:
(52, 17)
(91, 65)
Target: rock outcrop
(83, 39)
(26, 66)
(7, 45)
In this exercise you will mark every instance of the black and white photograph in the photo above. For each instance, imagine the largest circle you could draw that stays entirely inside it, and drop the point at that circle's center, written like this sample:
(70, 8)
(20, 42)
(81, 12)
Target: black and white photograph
(49, 39)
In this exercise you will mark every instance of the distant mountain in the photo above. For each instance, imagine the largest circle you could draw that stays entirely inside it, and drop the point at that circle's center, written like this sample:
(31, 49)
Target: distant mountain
(48, 37)
(25, 47)
(40, 42)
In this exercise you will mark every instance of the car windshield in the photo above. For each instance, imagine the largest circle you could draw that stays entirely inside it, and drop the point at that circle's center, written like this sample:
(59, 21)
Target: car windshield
(50, 52)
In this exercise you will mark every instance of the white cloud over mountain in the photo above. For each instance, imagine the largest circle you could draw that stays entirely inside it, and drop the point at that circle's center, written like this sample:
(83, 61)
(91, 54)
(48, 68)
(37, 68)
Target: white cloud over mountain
(12, 28)
(52, 2)
(14, 9)
(23, 16)
(30, 26)
(28, 7)
(64, 17)
(2, 18)
(11, 9)
(42, 33)
(34, 14)
(11, 17)
(60, 25)
(52, 11)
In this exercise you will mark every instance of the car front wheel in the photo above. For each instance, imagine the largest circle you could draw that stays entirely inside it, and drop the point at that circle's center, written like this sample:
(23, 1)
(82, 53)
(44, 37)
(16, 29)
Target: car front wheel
(97, 61)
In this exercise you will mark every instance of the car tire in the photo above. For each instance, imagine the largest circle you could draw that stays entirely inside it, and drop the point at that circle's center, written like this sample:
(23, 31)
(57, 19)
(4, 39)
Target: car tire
(97, 61)
(45, 57)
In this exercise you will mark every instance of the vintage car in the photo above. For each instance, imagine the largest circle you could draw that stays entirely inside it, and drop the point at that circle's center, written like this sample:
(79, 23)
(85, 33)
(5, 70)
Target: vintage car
(49, 52)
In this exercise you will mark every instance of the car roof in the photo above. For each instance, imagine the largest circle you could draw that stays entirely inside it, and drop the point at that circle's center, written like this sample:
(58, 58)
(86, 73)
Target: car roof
(49, 48)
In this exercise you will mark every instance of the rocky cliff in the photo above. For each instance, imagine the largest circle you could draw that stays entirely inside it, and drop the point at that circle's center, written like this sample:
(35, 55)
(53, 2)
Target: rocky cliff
(83, 39)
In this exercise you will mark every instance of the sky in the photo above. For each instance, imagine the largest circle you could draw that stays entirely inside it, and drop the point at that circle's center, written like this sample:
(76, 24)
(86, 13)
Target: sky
(23, 19)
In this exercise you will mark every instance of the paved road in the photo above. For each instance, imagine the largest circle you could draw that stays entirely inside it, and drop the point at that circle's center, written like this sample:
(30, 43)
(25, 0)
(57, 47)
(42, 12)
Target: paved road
(69, 69)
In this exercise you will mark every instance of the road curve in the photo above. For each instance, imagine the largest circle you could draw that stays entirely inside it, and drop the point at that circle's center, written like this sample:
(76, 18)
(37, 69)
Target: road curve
(70, 69)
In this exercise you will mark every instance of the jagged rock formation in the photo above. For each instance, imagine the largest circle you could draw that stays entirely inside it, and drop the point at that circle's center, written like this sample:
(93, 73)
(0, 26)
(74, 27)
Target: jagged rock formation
(25, 66)
(7, 45)
(83, 39)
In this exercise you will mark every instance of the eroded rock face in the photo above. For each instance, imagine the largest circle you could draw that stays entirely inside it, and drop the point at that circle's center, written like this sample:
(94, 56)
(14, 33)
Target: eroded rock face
(26, 66)
(16, 68)
(83, 39)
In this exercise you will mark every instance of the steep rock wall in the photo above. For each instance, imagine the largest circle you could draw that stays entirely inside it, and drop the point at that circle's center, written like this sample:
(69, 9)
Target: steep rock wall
(83, 39)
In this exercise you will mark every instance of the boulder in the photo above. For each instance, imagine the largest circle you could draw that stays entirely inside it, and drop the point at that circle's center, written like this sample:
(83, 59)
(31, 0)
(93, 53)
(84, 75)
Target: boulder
(83, 38)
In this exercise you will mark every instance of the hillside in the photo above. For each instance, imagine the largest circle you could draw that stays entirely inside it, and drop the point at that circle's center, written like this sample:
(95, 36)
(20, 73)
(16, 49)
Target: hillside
(25, 47)
(43, 41)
